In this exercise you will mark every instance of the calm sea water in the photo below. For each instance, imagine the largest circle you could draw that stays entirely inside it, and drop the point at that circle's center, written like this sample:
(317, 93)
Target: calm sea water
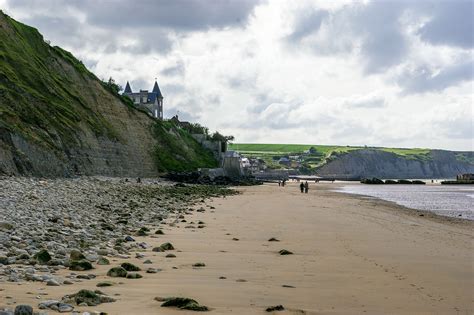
(449, 200)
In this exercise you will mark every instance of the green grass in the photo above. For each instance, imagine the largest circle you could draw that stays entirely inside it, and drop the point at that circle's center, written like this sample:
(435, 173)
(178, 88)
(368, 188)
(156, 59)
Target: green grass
(40, 99)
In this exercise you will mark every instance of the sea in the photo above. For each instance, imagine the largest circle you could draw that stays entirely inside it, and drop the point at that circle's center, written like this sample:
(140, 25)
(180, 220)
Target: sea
(447, 200)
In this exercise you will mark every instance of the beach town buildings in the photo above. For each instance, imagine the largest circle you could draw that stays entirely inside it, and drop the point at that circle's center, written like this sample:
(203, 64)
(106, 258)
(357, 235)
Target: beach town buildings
(152, 101)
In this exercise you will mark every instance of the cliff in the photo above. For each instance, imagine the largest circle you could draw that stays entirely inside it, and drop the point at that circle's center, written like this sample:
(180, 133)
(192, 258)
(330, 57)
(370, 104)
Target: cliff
(58, 119)
(367, 163)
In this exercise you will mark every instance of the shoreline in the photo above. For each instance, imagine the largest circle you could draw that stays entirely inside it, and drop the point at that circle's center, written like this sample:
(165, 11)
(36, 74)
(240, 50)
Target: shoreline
(351, 255)
(427, 213)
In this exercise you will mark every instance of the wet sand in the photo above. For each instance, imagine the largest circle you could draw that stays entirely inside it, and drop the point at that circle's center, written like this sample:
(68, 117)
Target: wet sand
(352, 255)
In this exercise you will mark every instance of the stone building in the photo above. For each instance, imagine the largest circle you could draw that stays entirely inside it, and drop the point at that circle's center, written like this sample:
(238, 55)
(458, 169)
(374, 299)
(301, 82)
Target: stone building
(150, 101)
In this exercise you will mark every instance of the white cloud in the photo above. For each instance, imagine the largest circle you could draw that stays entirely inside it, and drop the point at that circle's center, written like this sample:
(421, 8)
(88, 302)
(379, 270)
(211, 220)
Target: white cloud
(332, 72)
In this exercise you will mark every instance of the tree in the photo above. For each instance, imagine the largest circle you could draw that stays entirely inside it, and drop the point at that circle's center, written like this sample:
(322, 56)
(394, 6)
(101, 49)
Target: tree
(112, 86)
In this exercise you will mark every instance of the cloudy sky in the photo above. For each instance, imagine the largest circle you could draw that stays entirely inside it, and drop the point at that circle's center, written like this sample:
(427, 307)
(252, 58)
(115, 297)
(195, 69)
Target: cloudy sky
(384, 73)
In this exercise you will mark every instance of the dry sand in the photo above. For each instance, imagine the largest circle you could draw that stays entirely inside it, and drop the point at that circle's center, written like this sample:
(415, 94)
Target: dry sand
(352, 255)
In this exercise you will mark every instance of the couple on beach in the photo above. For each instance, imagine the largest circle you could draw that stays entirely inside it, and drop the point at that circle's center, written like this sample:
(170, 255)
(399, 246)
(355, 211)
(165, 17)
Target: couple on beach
(304, 187)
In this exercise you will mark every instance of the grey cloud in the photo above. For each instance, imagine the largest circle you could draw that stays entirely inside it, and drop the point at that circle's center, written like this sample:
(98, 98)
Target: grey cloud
(149, 22)
(307, 24)
(423, 79)
(185, 15)
(451, 24)
(175, 70)
(377, 33)
(182, 15)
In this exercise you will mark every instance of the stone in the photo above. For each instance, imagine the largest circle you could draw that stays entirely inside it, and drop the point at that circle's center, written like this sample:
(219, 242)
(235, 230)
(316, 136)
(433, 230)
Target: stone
(273, 239)
(105, 284)
(53, 283)
(23, 310)
(159, 232)
(65, 308)
(148, 261)
(134, 275)
(152, 270)
(130, 267)
(184, 304)
(275, 308)
(80, 265)
(170, 256)
(117, 272)
(166, 246)
(128, 238)
(285, 252)
(42, 256)
(103, 261)
(76, 255)
(199, 264)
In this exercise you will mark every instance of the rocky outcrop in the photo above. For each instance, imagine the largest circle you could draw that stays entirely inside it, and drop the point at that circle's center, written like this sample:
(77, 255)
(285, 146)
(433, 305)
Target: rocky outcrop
(368, 163)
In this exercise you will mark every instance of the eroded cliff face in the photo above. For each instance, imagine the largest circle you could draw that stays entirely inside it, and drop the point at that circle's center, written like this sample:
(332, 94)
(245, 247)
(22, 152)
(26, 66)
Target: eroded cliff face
(58, 119)
(376, 163)
(127, 153)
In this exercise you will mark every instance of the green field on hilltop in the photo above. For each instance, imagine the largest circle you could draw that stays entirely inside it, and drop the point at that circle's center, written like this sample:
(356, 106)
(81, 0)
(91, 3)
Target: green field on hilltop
(270, 153)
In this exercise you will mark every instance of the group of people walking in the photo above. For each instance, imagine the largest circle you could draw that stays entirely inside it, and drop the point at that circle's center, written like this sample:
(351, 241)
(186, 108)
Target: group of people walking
(304, 187)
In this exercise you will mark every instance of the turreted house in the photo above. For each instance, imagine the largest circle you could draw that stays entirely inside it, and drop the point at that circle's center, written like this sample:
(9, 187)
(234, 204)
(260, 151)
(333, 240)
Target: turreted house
(150, 101)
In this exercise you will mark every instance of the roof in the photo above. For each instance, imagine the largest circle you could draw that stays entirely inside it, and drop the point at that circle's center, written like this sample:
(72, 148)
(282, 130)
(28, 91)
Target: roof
(127, 88)
(156, 90)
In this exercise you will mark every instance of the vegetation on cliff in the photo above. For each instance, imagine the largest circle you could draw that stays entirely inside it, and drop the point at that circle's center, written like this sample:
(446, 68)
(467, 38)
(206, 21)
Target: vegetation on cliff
(50, 99)
(40, 96)
(176, 149)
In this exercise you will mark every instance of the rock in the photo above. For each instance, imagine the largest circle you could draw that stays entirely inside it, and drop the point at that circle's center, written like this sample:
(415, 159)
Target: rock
(143, 231)
(166, 246)
(52, 283)
(4, 260)
(235, 239)
(222, 277)
(6, 226)
(159, 232)
(184, 304)
(148, 261)
(199, 264)
(80, 265)
(152, 270)
(273, 239)
(275, 308)
(130, 267)
(134, 275)
(285, 252)
(117, 272)
(170, 256)
(68, 282)
(88, 297)
(76, 255)
(103, 261)
(105, 284)
(23, 310)
(288, 286)
(128, 238)
(47, 304)
(42, 256)
(65, 308)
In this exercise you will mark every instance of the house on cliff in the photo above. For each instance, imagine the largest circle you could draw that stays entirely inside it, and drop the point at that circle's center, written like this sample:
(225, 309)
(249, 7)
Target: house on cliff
(149, 101)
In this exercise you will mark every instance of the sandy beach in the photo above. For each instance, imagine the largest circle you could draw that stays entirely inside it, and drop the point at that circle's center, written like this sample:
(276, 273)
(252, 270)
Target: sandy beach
(352, 255)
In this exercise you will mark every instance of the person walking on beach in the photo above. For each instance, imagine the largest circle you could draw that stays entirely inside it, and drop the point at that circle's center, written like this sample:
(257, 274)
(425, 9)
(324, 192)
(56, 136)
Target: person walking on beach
(279, 183)
(302, 187)
(306, 187)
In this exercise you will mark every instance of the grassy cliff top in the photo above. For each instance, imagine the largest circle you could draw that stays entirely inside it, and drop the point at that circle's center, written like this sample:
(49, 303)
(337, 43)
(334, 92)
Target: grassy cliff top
(268, 151)
(40, 88)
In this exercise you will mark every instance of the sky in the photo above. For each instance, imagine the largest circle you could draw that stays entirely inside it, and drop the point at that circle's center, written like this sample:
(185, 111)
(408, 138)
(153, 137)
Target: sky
(376, 73)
